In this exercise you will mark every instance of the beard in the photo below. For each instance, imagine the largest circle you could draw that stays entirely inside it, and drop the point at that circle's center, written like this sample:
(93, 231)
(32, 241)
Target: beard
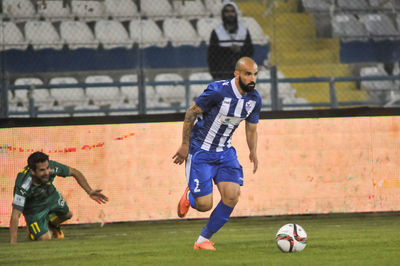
(230, 24)
(247, 87)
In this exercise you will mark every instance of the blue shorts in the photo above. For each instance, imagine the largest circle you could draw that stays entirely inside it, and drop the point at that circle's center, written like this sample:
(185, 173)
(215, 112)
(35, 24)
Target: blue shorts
(204, 166)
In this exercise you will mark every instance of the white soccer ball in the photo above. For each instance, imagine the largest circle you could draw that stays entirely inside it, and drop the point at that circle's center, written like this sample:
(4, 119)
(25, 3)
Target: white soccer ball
(291, 238)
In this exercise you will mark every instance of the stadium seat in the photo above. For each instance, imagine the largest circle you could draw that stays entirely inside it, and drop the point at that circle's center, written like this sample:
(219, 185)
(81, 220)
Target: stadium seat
(197, 89)
(61, 109)
(121, 9)
(347, 27)
(214, 6)
(67, 96)
(264, 88)
(112, 34)
(318, 5)
(11, 37)
(358, 5)
(88, 10)
(381, 5)
(186, 35)
(54, 10)
(190, 9)
(21, 95)
(146, 33)
(171, 95)
(379, 26)
(88, 107)
(130, 92)
(256, 32)
(19, 10)
(128, 105)
(42, 34)
(18, 108)
(205, 26)
(156, 9)
(77, 35)
(375, 86)
(102, 95)
(42, 98)
(398, 21)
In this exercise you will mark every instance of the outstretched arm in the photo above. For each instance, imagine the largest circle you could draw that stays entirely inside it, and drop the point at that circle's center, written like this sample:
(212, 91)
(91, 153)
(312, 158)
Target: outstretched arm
(190, 117)
(251, 137)
(15, 214)
(96, 195)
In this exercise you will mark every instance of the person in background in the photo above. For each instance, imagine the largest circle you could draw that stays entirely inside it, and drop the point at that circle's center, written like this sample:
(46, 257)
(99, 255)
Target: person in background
(228, 42)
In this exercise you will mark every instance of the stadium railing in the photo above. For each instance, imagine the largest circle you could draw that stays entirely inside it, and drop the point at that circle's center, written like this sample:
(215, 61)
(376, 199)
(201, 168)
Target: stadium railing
(276, 102)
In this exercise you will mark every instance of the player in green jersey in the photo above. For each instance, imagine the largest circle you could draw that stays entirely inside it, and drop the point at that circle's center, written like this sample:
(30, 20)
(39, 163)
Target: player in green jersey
(36, 197)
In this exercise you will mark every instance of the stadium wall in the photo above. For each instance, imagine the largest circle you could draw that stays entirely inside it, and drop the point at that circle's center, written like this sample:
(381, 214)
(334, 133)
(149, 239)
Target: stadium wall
(310, 162)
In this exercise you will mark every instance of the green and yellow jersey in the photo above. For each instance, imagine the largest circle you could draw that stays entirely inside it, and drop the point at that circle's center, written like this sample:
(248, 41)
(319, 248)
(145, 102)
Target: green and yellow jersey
(30, 198)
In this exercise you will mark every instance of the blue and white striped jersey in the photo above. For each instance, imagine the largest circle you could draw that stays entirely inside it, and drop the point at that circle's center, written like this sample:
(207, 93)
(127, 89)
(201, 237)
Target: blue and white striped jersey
(223, 109)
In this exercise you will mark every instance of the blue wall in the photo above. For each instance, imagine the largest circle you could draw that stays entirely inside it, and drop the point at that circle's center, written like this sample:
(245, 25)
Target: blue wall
(370, 51)
(50, 60)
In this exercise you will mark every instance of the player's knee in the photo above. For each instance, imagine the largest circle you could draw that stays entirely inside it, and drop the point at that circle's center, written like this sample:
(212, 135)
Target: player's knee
(231, 199)
(204, 208)
(68, 215)
(45, 237)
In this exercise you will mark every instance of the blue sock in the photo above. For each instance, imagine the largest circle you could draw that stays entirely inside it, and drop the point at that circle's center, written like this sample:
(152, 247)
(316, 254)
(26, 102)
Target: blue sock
(192, 201)
(218, 218)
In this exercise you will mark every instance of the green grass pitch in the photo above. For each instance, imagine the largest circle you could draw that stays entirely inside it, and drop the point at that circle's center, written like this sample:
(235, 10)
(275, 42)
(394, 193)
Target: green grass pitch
(335, 239)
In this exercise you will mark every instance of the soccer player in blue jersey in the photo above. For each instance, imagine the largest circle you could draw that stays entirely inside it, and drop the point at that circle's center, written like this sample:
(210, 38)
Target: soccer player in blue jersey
(35, 196)
(207, 149)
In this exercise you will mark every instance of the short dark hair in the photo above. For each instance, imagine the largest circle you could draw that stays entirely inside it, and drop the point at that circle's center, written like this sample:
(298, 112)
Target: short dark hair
(37, 157)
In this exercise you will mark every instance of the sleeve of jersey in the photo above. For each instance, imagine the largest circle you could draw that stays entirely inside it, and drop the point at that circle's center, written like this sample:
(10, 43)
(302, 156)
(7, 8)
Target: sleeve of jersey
(255, 114)
(61, 169)
(208, 98)
(19, 198)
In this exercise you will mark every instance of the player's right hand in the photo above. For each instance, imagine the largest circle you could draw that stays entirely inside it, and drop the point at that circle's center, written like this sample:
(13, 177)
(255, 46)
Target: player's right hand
(181, 154)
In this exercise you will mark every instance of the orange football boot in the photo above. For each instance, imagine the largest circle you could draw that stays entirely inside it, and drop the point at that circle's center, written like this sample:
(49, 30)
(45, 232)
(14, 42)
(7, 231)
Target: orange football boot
(184, 204)
(204, 245)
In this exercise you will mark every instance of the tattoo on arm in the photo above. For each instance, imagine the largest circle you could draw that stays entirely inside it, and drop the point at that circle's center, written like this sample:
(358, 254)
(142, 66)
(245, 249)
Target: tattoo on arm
(188, 123)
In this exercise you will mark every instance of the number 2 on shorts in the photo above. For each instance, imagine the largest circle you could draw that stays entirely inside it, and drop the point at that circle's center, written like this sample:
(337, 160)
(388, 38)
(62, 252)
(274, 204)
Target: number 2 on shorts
(197, 189)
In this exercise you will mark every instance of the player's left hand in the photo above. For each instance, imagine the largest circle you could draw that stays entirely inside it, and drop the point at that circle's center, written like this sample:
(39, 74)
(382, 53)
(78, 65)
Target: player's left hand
(97, 196)
(254, 160)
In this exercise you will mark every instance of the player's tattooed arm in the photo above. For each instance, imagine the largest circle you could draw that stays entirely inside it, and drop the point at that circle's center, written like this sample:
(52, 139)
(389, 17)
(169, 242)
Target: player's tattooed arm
(190, 117)
(188, 123)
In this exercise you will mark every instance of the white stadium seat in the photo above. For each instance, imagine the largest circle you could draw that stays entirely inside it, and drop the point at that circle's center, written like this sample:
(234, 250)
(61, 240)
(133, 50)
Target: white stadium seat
(256, 32)
(130, 92)
(11, 37)
(90, 107)
(22, 94)
(77, 34)
(121, 9)
(102, 95)
(346, 26)
(197, 89)
(190, 9)
(88, 10)
(170, 94)
(112, 34)
(379, 25)
(67, 96)
(186, 35)
(54, 10)
(214, 6)
(19, 9)
(146, 33)
(156, 9)
(42, 34)
(205, 26)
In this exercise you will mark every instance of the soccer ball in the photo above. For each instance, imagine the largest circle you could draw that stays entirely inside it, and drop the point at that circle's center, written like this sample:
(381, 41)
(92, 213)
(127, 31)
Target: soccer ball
(291, 238)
